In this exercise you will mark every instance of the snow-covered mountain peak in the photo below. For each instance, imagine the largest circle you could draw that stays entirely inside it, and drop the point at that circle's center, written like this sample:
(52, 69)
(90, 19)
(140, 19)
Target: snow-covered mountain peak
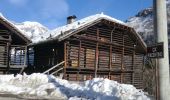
(34, 30)
(145, 12)
(143, 23)
(31, 23)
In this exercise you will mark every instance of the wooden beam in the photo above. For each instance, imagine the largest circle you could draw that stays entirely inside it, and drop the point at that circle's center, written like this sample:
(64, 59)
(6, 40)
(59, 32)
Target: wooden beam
(5, 40)
(65, 58)
(79, 51)
(143, 63)
(25, 58)
(133, 65)
(8, 57)
(111, 35)
(79, 59)
(96, 54)
(15, 55)
(96, 59)
(110, 60)
(110, 57)
(100, 41)
(122, 27)
(122, 59)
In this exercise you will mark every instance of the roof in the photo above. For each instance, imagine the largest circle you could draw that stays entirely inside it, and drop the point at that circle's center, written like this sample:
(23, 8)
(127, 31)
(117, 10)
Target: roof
(63, 32)
(13, 28)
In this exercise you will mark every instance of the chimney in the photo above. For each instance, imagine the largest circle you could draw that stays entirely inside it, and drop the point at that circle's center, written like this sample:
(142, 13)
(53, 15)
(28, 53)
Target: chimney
(71, 19)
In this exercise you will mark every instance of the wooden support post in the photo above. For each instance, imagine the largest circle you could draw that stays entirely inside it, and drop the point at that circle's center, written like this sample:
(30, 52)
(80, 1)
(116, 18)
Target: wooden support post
(28, 59)
(25, 60)
(122, 59)
(8, 57)
(96, 59)
(25, 57)
(110, 57)
(79, 59)
(8, 53)
(20, 57)
(143, 64)
(133, 65)
(111, 36)
(96, 55)
(65, 58)
(15, 56)
(110, 61)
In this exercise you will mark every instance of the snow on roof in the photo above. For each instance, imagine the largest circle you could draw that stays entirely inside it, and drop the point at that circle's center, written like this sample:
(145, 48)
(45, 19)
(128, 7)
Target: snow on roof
(63, 32)
(69, 28)
(14, 27)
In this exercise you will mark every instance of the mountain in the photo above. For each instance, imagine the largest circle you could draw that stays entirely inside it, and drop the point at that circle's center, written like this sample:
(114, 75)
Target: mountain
(33, 30)
(143, 23)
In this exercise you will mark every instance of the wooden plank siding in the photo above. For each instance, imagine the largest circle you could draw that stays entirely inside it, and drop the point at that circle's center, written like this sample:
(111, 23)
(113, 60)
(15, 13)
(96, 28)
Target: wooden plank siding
(103, 51)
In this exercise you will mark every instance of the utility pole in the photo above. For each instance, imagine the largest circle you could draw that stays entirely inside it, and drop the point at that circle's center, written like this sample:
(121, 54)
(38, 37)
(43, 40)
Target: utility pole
(160, 30)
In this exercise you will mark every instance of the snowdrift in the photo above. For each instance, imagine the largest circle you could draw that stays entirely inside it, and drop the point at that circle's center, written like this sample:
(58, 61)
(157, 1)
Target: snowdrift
(48, 86)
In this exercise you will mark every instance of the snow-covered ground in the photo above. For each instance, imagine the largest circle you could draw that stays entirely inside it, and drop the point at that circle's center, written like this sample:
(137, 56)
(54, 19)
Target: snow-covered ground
(48, 86)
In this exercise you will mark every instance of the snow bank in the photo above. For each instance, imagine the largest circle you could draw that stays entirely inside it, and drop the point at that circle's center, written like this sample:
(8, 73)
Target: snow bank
(48, 86)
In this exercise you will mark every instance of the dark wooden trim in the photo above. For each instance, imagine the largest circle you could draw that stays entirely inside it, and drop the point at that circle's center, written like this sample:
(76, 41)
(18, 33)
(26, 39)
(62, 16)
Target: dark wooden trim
(143, 64)
(100, 41)
(65, 58)
(97, 54)
(79, 60)
(110, 52)
(122, 59)
(79, 53)
(110, 59)
(8, 57)
(133, 64)
(25, 58)
(111, 35)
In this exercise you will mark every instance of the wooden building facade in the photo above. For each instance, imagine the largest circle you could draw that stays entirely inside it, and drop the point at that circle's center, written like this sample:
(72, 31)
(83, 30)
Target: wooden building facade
(13, 45)
(100, 48)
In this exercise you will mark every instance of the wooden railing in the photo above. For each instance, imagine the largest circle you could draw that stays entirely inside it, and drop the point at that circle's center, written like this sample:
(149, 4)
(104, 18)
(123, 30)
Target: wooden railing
(57, 68)
(18, 55)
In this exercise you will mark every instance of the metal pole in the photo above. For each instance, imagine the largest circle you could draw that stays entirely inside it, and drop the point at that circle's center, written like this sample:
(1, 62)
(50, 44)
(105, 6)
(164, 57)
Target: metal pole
(156, 80)
(160, 28)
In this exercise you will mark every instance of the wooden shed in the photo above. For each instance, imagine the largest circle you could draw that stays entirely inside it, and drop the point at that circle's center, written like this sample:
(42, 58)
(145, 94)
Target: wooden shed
(96, 46)
(13, 46)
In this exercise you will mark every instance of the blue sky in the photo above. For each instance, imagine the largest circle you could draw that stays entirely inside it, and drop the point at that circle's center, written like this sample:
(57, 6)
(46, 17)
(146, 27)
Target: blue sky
(53, 13)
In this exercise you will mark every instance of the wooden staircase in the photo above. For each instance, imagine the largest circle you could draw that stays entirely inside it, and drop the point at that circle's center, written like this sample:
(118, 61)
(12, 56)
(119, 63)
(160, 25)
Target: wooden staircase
(55, 70)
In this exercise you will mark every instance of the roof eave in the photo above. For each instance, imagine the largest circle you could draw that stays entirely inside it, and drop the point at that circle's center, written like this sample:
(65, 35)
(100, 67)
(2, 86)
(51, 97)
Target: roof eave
(15, 30)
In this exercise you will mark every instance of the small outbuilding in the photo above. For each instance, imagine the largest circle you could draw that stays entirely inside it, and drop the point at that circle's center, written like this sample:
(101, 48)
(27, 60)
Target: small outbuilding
(96, 46)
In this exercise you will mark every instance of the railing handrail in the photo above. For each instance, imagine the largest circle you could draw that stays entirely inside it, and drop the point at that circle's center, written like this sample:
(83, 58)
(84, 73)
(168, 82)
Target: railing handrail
(57, 71)
(53, 67)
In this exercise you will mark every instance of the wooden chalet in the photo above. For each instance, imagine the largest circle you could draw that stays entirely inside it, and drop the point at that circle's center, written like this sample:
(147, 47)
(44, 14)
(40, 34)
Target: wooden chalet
(96, 46)
(13, 45)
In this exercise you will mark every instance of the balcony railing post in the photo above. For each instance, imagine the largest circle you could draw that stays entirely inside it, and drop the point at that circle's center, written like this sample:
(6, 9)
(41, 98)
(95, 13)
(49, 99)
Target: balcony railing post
(25, 57)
